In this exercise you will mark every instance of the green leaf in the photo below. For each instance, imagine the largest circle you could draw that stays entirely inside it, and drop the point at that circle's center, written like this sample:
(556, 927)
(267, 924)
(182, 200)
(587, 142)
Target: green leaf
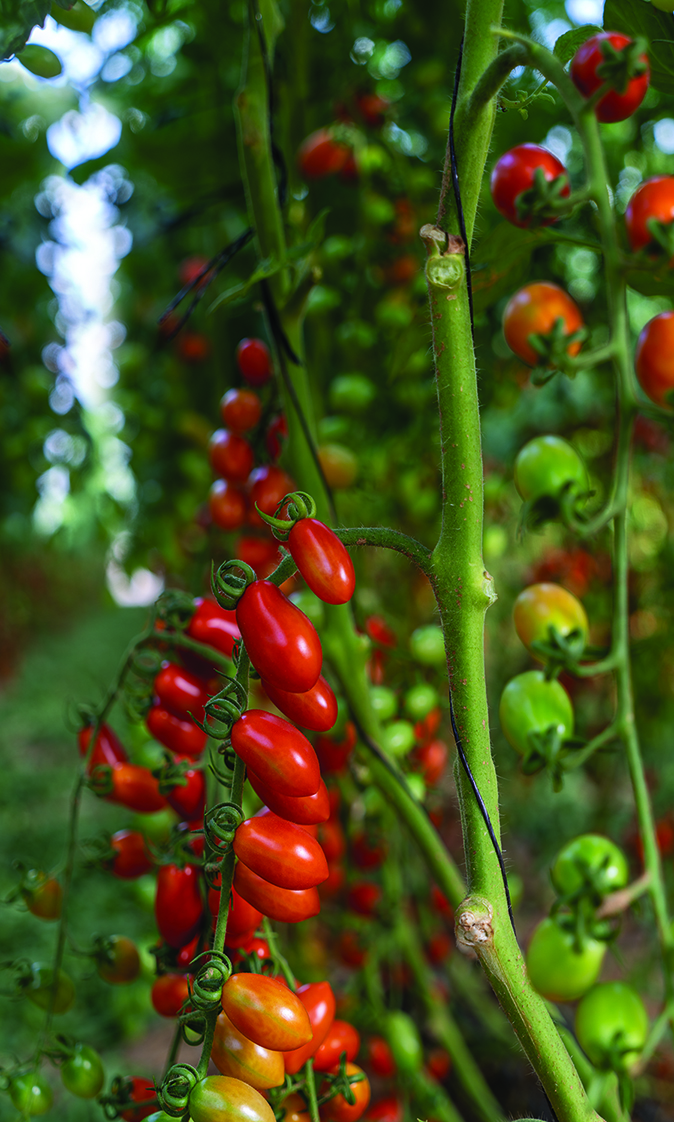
(15, 31)
(265, 269)
(637, 17)
(656, 279)
(568, 43)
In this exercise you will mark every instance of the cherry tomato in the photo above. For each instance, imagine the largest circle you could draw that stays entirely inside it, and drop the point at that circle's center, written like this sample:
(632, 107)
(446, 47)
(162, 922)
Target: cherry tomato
(425, 730)
(319, 1002)
(193, 347)
(118, 962)
(431, 760)
(372, 108)
(31, 1093)
(556, 969)
(266, 1011)
(364, 897)
(322, 560)
(255, 946)
(267, 486)
(534, 310)
(43, 895)
(282, 851)
(331, 837)
(231, 456)
(108, 749)
(368, 852)
(39, 984)
(652, 199)
(340, 1037)
(189, 798)
(419, 701)
(227, 504)
(590, 860)
(277, 752)
(191, 268)
(214, 626)
(320, 155)
(542, 606)
(183, 955)
(654, 358)
(141, 1091)
(254, 361)
(169, 992)
(335, 882)
(178, 735)
(389, 1109)
(439, 1064)
(405, 1042)
(612, 1025)
(287, 905)
(441, 904)
(439, 948)
(241, 410)
(235, 1055)
(219, 1098)
(427, 646)
(514, 173)
(136, 788)
(82, 1074)
(295, 1109)
(262, 554)
(530, 704)
(316, 709)
(333, 754)
(546, 466)
(339, 464)
(350, 950)
(380, 1057)
(281, 642)
(339, 1110)
(131, 858)
(182, 693)
(178, 905)
(307, 811)
(584, 71)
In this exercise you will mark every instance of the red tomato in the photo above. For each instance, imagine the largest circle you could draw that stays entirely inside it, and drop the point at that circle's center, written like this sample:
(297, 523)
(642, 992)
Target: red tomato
(654, 359)
(439, 948)
(118, 962)
(277, 752)
(431, 760)
(108, 748)
(319, 1002)
(215, 626)
(350, 950)
(241, 410)
(652, 199)
(282, 851)
(534, 310)
(241, 917)
(179, 736)
(364, 897)
(267, 486)
(262, 554)
(192, 346)
(368, 853)
(307, 811)
(140, 1091)
(184, 955)
(316, 709)
(380, 1057)
(587, 61)
(372, 108)
(131, 858)
(378, 630)
(227, 505)
(333, 754)
(178, 906)
(331, 837)
(255, 946)
(440, 903)
(231, 456)
(235, 1055)
(319, 155)
(286, 905)
(281, 642)
(277, 433)
(439, 1063)
(136, 788)
(339, 1110)
(514, 173)
(189, 799)
(191, 267)
(322, 560)
(341, 1037)
(389, 1109)
(426, 729)
(169, 992)
(254, 361)
(333, 885)
(181, 692)
(221, 1098)
(266, 1012)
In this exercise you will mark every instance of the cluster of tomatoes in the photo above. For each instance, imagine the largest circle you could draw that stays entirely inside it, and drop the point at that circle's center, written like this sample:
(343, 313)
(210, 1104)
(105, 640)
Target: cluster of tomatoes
(328, 151)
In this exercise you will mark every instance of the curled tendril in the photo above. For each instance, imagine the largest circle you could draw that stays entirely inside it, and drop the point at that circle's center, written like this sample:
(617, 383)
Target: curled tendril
(221, 823)
(146, 663)
(174, 1093)
(224, 709)
(298, 505)
(175, 608)
(100, 780)
(229, 757)
(207, 986)
(230, 580)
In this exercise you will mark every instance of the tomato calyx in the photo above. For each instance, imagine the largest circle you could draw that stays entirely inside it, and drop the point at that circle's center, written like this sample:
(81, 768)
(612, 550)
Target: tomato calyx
(224, 709)
(552, 349)
(582, 923)
(296, 505)
(620, 66)
(230, 580)
(127, 1092)
(561, 652)
(545, 199)
(177, 1085)
(339, 1083)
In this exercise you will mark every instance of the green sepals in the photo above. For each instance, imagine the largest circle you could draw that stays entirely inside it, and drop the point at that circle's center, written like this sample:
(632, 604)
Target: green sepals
(523, 99)
(559, 651)
(175, 608)
(583, 924)
(340, 1084)
(552, 348)
(535, 513)
(662, 237)
(540, 202)
(299, 505)
(621, 65)
(172, 774)
(230, 580)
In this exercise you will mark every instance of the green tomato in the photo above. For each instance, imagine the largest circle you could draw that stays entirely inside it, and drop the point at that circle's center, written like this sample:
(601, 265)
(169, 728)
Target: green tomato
(83, 1073)
(420, 701)
(427, 646)
(398, 738)
(334, 429)
(156, 827)
(338, 247)
(144, 890)
(545, 466)
(529, 704)
(351, 393)
(384, 702)
(38, 988)
(404, 1041)
(309, 603)
(149, 754)
(40, 61)
(78, 18)
(556, 969)
(322, 299)
(540, 607)
(416, 785)
(612, 1025)
(592, 861)
(31, 1094)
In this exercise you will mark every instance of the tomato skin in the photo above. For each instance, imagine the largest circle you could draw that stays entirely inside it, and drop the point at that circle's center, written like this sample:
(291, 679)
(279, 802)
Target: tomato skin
(364, 897)
(323, 561)
(541, 606)
(555, 969)
(389, 1109)
(529, 703)
(168, 993)
(83, 1073)
(282, 851)
(595, 853)
(267, 485)
(131, 858)
(39, 988)
(319, 1002)
(136, 788)
(319, 155)
(340, 1037)
(177, 734)
(44, 898)
(366, 853)
(108, 749)
(227, 504)
(281, 642)
(254, 361)
(241, 410)
(179, 691)
(439, 1064)
(316, 709)
(189, 799)
(219, 1098)
(295, 1109)
(192, 346)
(331, 837)
(266, 1012)
(654, 358)
(215, 626)
(307, 811)
(654, 198)
(545, 466)
(235, 1055)
(514, 173)
(333, 754)
(277, 752)
(178, 904)
(141, 1091)
(431, 760)
(241, 916)
(380, 1057)
(121, 963)
(31, 1094)
(613, 106)
(287, 905)
(611, 1018)
(533, 311)
(339, 1110)
(231, 455)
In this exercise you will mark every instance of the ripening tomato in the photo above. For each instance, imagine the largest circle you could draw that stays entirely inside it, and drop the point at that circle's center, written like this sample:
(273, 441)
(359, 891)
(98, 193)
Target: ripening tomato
(192, 268)
(188, 798)
(316, 709)
(654, 359)
(241, 410)
(612, 1025)
(514, 173)
(179, 691)
(364, 897)
(215, 626)
(282, 644)
(169, 993)
(332, 839)
(307, 811)
(231, 456)
(178, 905)
(653, 199)
(82, 1074)
(136, 788)
(42, 895)
(295, 1109)
(556, 969)
(439, 1064)
(439, 948)
(431, 760)
(262, 554)
(350, 950)
(341, 1037)
(531, 704)
(131, 858)
(258, 948)
(141, 1091)
(590, 861)
(380, 1057)
(118, 961)
(333, 754)
(367, 851)
(319, 1002)
(219, 1098)
(586, 75)
(338, 1109)
(534, 310)
(177, 734)
(254, 361)
(38, 987)
(31, 1093)
(235, 1055)
(425, 730)
(542, 606)
(108, 749)
(192, 346)
(281, 851)
(546, 467)
(389, 1109)
(323, 562)
(227, 504)
(267, 486)
(287, 905)
(320, 155)
(266, 1011)
(372, 108)
(277, 752)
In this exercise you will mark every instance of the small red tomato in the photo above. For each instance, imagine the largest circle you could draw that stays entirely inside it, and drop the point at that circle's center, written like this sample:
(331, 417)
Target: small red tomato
(319, 155)
(214, 626)
(339, 1110)
(367, 852)
(178, 906)
(267, 485)
(350, 950)
(440, 903)
(241, 410)
(333, 754)
(191, 267)
(287, 905)
(42, 895)
(277, 433)
(652, 199)
(277, 752)
(364, 897)
(266, 1012)
(227, 505)
(431, 759)
(372, 108)
(131, 858)
(380, 1057)
(439, 1063)
(335, 882)
(118, 963)
(585, 67)
(316, 709)
(282, 643)
(426, 729)
(439, 948)
(192, 346)
(231, 456)
(378, 630)
(341, 1037)
(259, 948)
(136, 788)
(514, 173)
(184, 955)
(280, 851)
(189, 798)
(181, 692)
(322, 560)
(262, 554)
(331, 837)
(306, 811)
(534, 310)
(319, 1002)
(108, 749)
(141, 1091)
(169, 992)
(654, 359)
(389, 1109)
(254, 361)
(178, 735)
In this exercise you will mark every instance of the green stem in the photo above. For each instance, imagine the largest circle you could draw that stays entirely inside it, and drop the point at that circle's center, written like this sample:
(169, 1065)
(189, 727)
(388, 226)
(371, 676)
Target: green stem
(310, 1088)
(388, 539)
(278, 959)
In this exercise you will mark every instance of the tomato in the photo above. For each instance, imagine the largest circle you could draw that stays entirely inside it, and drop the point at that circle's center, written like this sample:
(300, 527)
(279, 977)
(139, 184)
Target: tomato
(193, 347)
(266, 1011)
(188, 799)
(78, 18)
(38, 986)
(431, 760)
(178, 904)
(241, 917)
(331, 837)
(543, 606)
(276, 435)
(546, 467)
(31, 1093)
(654, 359)
(215, 626)
(281, 850)
(320, 155)
(530, 704)
(350, 950)
(397, 738)
(612, 1025)
(235, 1055)
(108, 749)
(341, 1037)
(179, 691)
(117, 960)
(281, 642)
(323, 562)
(295, 1109)
(219, 1098)
(231, 456)
(287, 905)
(380, 1057)
(335, 882)
(316, 709)
(131, 858)
(425, 730)
(82, 1074)
(367, 852)
(419, 701)
(439, 1064)
(372, 108)
(534, 310)
(277, 752)
(241, 410)
(586, 75)
(262, 554)
(136, 788)
(364, 897)
(556, 969)
(42, 894)
(140, 1090)
(183, 955)
(255, 946)
(439, 948)
(307, 811)
(653, 199)
(169, 992)
(339, 464)
(389, 1109)
(45, 64)
(405, 1042)
(333, 754)
(590, 861)
(319, 1002)
(177, 734)
(384, 702)
(427, 646)
(378, 630)
(227, 504)
(254, 361)
(514, 173)
(338, 1109)
(267, 487)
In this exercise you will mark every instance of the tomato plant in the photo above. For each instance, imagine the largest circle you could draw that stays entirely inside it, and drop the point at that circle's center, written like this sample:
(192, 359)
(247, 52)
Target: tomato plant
(591, 68)
(535, 310)
(515, 174)
(266, 1011)
(612, 1025)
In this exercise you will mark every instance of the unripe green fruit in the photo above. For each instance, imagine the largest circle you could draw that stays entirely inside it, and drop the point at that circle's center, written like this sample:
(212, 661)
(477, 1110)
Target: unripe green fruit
(384, 702)
(427, 646)
(420, 701)
(404, 1041)
(398, 738)
(545, 466)
(351, 393)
